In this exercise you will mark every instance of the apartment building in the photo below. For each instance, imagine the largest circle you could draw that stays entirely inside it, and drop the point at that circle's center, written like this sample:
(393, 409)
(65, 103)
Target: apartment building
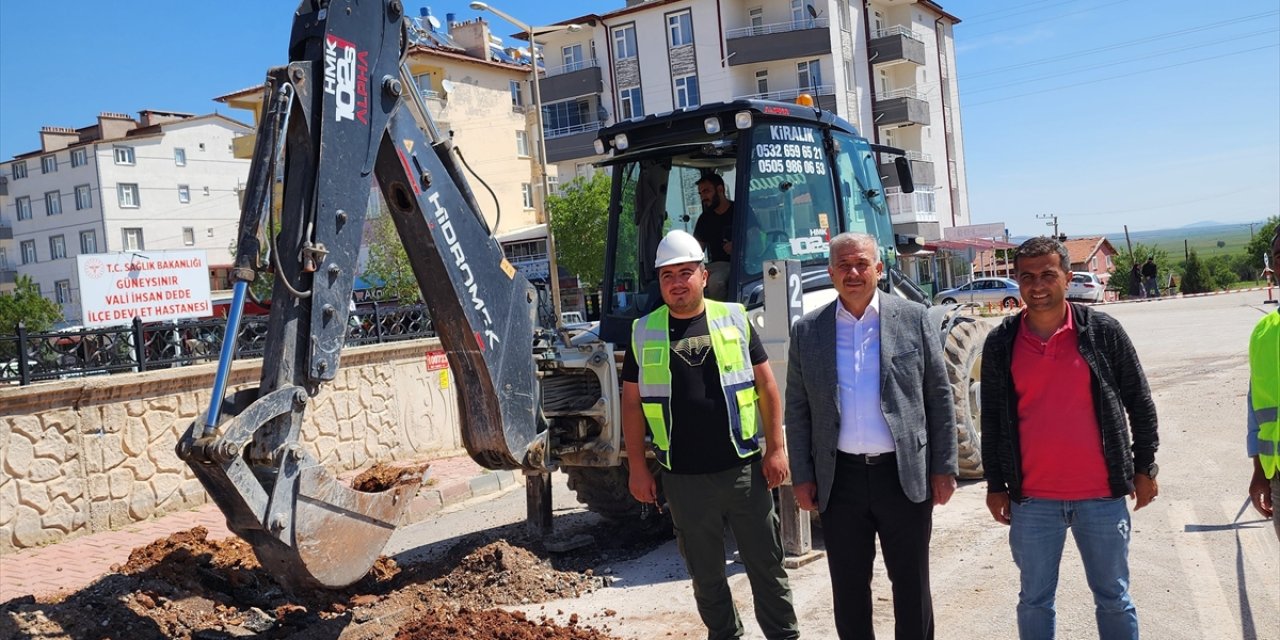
(164, 180)
(887, 66)
(8, 274)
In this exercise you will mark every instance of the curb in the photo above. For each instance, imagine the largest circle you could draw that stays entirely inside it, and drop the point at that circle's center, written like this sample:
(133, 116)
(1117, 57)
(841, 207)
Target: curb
(1182, 295)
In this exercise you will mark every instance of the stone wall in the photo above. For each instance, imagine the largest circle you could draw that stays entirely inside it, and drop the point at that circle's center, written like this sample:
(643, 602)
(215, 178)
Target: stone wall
(97, 453)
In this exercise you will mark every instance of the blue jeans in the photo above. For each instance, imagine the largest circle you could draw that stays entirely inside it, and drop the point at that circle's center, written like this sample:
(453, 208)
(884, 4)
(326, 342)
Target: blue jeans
(1101, 529)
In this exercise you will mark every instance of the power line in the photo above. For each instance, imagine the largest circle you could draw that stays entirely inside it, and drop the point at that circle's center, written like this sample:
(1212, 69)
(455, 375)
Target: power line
(1122, 75)
(1111, 47)
(1050, 18)
(1011, 12)
(1102, 65)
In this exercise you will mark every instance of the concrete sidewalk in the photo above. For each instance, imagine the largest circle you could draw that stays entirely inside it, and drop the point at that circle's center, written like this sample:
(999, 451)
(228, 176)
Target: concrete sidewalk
(73, 564)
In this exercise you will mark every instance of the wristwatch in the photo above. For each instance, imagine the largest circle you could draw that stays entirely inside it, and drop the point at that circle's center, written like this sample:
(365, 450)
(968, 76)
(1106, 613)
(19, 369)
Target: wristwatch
(1150, 471)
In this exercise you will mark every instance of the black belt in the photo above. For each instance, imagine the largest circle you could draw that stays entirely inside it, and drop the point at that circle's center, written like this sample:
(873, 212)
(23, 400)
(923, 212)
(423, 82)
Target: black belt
(869, 459)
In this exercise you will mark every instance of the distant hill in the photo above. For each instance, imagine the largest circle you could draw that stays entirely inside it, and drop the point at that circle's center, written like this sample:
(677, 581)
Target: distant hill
(1201, 236)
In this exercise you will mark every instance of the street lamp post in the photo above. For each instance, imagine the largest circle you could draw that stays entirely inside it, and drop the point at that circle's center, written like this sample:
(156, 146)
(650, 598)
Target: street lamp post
(552, 268)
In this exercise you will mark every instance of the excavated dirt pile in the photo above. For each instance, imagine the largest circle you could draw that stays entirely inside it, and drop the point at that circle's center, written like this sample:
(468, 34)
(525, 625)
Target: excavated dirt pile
(186, 586)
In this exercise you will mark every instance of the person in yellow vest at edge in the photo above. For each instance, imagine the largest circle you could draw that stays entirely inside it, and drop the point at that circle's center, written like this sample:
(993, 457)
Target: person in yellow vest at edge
(1264, 401)
(696, 377)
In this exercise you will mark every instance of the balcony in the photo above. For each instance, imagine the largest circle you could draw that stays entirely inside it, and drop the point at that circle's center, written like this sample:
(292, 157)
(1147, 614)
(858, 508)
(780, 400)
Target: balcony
(894, 45)
(824, 95)
(919, 207)
(571, 80)
(921, 169)
(8, 275)
(779, 41)
(900, 107)
(6, 231)
(575, 141)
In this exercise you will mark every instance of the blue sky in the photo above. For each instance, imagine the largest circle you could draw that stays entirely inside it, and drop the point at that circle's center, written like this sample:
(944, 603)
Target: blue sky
(1151, 113)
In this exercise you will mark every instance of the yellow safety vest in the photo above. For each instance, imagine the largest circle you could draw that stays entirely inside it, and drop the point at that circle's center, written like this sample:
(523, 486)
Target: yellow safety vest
(730, 335)
(1264, 382)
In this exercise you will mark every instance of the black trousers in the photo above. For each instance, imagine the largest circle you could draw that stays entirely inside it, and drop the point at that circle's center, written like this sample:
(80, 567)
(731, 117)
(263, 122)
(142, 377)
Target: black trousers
(867, 500)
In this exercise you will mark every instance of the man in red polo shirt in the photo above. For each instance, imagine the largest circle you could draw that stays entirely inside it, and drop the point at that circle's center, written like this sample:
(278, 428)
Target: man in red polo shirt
(1068, 430)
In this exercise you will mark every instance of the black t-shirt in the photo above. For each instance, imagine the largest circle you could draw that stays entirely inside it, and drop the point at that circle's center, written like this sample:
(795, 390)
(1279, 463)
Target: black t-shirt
(699, 435)
(1149, 270)
(713, 229)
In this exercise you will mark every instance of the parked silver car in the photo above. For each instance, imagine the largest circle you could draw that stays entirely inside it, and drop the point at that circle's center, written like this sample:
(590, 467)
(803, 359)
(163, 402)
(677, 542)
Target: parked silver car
(998, 291)
(1086, 287)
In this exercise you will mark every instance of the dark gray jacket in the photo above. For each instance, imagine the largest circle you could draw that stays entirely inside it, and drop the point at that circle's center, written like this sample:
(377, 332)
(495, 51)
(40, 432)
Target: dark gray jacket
(1119, 386)
(915, 397)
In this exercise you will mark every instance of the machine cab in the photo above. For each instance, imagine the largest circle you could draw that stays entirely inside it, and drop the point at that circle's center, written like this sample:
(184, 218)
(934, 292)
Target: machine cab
(793, 177)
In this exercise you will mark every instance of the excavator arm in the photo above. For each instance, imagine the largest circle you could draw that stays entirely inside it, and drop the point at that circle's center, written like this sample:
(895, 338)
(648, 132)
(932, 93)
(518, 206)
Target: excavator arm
(343, 115)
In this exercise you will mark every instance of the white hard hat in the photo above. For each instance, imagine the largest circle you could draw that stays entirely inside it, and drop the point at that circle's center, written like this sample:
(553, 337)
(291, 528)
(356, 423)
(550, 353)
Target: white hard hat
(678, 246)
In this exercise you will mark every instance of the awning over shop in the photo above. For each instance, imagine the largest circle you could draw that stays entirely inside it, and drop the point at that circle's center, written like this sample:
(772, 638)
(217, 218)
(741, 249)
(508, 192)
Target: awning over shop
(966, 244)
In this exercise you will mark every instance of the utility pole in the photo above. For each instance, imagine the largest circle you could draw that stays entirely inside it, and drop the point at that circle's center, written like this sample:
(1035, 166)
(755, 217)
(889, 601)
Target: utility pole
(1053, 221)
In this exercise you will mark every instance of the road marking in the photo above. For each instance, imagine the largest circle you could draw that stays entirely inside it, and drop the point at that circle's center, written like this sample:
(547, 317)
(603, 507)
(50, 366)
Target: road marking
(1207, 597)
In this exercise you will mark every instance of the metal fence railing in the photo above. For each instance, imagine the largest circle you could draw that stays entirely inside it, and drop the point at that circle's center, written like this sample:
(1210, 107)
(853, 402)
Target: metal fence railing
(142, 346)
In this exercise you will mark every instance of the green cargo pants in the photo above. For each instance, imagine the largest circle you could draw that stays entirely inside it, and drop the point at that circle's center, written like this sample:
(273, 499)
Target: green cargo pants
(701, 505)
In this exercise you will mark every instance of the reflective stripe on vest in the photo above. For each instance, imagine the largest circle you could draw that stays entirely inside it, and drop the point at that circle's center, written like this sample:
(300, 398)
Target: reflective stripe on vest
(1264, 381)
(730, 336)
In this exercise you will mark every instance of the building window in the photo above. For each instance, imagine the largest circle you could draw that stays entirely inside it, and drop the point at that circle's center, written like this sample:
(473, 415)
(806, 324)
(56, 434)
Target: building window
(184, 193)
(189, 236)
(132, 237)
(28, 251)
(49, 164)
(88, 242)
(757, 20)
(180, 157)
(84, 197)
(53, 203)
(124, 155)
(572, 58)
(632, 103)
(566, 114)
(522, 144)
(797, 11)
(553, 184)
(809, 74)
(62, 291)
(79, 157)
(1093, 264)
(128, 194)
(526, 192)
(680, 29)
(762, 81)
(19, 170)
(517, 93)
(57, 247)
(687, 92)
(24, 207)
(624, 42)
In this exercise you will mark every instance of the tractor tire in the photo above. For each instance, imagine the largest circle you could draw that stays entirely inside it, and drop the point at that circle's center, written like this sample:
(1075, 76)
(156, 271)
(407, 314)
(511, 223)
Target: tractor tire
(607, 491)
(963, 355)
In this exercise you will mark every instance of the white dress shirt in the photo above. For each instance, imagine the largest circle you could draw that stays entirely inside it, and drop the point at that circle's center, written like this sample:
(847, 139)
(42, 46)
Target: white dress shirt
(863, 428)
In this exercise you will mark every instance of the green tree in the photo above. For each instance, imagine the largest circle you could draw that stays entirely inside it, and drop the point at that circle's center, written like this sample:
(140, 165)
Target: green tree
(1260, 245)
(1195, 276)
(389, 262)
(580, 221)
(1123, 262)
(1221, 275)
(26, 305)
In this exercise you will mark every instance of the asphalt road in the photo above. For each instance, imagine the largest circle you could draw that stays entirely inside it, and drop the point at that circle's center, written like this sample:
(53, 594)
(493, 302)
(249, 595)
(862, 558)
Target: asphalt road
(1204, 565)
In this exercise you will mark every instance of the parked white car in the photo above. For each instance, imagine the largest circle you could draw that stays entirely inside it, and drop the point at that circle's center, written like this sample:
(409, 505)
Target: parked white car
(1086, 287)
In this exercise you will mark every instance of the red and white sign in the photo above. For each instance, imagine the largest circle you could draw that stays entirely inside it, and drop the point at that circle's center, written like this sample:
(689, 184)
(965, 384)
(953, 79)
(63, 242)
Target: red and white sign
(437, 360)
(115, 288)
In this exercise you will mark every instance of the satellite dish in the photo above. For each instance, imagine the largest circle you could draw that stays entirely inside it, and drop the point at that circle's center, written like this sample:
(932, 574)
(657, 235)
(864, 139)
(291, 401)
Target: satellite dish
(434, 22)
(813, 13)
(446, 85)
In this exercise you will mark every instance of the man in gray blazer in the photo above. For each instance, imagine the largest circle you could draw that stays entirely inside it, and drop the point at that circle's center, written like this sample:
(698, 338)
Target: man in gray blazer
(871, 430)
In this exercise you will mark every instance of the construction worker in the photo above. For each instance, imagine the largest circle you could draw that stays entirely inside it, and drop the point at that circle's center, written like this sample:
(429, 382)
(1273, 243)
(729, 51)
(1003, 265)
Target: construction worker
(697, 377)
(1264, 400)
